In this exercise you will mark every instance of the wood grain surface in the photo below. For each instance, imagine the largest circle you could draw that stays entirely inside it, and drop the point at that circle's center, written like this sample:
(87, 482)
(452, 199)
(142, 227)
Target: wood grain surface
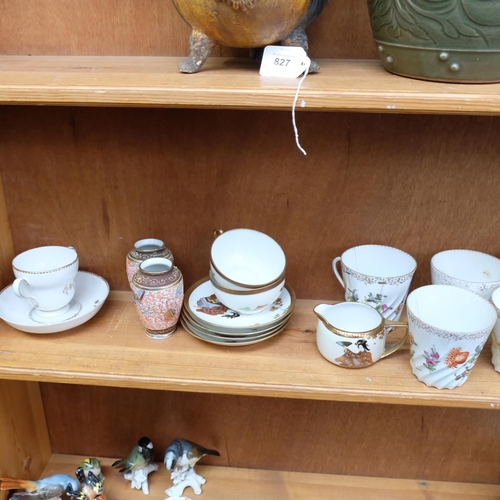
(154, 28)
(112, 350)
(341, 85)
(25, 448)
(249, 484)
(104, 178)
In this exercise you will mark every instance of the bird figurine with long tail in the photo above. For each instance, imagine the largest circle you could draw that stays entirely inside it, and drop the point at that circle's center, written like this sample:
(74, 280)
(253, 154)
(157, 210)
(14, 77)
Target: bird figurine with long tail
(180, 458)
(138, 465)
(48, 488)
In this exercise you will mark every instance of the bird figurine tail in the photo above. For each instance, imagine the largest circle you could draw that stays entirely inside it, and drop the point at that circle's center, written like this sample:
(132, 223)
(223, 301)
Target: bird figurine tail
(211, 452)
(9, 483)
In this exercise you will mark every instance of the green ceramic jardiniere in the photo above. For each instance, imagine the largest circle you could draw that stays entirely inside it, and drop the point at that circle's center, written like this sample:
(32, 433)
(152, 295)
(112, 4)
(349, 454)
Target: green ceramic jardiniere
(443, 40)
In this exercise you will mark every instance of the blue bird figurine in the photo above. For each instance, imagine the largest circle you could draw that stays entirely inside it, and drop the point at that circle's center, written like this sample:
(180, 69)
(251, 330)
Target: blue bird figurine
(185, 454)
(48, 488)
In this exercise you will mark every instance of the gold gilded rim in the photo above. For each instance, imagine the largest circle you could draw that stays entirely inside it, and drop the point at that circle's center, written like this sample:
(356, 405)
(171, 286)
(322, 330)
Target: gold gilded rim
(244, 292)
(194, 286)
(250, 287)
(352, 335)
(45, 272)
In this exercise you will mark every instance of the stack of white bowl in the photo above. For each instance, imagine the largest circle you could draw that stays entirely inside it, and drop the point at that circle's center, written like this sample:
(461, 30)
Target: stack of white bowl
(247, 270)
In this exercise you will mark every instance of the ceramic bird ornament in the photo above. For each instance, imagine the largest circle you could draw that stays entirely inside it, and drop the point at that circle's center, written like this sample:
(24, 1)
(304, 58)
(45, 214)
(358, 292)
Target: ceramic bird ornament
(140, 456)
(92, 465)
(48, 488)
(91, 486)
(138, 465)
(180, 457)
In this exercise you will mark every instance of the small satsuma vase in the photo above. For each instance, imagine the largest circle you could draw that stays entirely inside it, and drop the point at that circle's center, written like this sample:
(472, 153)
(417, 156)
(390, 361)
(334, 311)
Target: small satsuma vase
(143, 250)
(158, 289)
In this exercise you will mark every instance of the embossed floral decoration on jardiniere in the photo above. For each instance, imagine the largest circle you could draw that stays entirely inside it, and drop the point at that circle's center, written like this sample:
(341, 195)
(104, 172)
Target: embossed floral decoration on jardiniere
(442, 40)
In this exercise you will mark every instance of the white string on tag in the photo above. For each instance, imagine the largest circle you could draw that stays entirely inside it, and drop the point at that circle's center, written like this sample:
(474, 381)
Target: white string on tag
(294, 123)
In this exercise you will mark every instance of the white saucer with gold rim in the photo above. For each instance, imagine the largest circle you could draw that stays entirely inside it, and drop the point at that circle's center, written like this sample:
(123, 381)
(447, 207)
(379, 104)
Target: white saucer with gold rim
(202, 304)
(90, 293)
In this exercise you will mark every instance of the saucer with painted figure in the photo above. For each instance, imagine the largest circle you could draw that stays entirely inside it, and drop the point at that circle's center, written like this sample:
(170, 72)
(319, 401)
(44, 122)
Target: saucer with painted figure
(202, 305)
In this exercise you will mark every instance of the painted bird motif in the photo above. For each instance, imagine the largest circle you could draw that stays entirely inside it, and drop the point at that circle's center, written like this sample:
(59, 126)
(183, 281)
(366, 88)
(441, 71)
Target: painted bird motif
(185, 454)
(48, 488)
(140, 456)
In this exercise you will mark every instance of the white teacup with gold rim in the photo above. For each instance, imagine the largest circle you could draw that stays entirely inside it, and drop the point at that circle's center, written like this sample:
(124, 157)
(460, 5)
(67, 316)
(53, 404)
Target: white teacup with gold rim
(448, 329)
(377, 275)
(353, 335)
(45, 276)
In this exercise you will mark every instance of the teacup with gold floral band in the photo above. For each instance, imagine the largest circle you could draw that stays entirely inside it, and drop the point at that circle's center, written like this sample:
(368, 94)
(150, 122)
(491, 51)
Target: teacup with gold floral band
(449, 327)
(353, 335)
(495, 344)
(377, 275)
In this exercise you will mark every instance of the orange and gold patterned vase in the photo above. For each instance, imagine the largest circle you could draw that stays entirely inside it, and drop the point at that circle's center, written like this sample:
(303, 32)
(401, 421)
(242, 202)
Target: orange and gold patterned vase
(158, 289)
(145, 249)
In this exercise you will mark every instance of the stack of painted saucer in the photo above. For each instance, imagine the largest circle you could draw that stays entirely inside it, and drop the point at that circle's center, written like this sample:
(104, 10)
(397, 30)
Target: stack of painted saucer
(206, 318)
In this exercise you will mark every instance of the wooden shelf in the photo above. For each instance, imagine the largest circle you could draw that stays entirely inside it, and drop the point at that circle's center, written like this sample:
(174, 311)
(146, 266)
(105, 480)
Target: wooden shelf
(342, 85)
(112, 350)
(225, 483)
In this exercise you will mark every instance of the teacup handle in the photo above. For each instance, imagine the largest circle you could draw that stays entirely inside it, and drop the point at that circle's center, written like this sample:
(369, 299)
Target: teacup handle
(335, 270)
(389, 349)
(16, 286)
(217, 233)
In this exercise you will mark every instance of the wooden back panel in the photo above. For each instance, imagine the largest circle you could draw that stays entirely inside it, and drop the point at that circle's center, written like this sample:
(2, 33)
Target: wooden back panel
(153, 27)
(281, 434)
(104, 178)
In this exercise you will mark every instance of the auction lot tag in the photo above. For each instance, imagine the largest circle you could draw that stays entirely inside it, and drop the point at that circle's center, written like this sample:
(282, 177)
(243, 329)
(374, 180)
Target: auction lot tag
(287, 62)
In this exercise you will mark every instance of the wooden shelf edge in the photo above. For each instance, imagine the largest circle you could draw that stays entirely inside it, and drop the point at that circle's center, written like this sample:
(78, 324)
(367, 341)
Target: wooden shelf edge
(249, 484)
(112, 350)
(256, 390)
(341, 85)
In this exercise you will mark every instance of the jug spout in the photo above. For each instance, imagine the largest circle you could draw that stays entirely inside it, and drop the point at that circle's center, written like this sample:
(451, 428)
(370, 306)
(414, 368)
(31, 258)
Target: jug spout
(320, 311)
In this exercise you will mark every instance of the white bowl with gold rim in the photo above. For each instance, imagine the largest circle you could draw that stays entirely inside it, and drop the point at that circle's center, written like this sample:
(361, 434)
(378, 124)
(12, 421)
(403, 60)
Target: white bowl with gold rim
(247, 258)
(249, 301)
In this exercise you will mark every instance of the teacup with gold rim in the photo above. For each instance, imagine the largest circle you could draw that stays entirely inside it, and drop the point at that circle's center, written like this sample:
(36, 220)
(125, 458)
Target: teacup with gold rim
(45, 276)
(377, 275)
(353, 335)
(448, 329)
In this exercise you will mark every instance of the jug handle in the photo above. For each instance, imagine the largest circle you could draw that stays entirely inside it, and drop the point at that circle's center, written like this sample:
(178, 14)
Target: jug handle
(389, 349)
(335, 270)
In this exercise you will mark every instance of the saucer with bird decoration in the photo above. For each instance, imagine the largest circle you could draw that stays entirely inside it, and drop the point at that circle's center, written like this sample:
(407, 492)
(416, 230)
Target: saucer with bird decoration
(202, 305)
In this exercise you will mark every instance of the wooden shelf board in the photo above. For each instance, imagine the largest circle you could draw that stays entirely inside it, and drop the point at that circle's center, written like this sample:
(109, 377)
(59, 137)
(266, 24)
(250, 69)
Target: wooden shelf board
(226, 483)
(112, 350)
(341, 85)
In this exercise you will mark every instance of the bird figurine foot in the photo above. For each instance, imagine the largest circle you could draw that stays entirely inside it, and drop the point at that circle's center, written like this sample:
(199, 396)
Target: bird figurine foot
(183, 479)
(139, 477)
